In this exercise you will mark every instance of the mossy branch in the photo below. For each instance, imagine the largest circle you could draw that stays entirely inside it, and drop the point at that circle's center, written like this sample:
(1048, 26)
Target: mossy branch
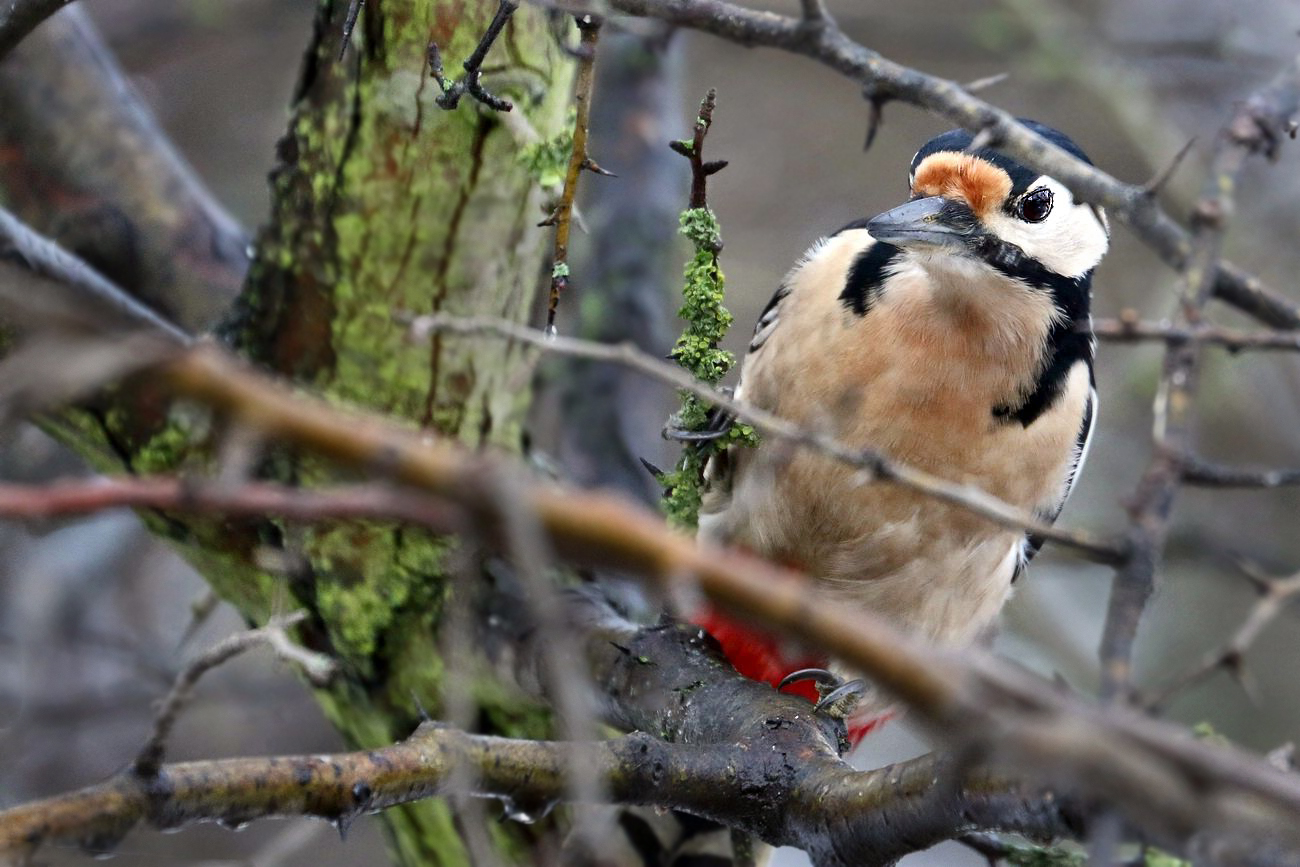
(697, 350)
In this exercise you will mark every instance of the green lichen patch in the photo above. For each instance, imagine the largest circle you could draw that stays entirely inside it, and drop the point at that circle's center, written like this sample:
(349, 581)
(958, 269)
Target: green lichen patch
(697, 351)
(373, 582)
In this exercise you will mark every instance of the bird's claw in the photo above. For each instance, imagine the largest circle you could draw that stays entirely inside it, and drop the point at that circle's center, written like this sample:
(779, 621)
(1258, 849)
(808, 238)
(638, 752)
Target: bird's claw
(838, 697)
(840, 701)
(821, 675)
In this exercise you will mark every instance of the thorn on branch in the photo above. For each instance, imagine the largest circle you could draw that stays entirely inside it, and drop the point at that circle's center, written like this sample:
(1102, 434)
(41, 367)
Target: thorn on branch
(594, 167)
(1156, 185)
(579, 161)
(876, 96)
(986, 82)
(693, 150)
(986, 137)
(472, 82)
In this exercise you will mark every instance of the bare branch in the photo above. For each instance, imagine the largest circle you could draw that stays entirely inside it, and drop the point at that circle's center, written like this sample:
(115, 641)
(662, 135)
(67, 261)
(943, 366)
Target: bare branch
(1202, 473)
(831, 47)
(1146, 768)
(636, 769)
(579, 160)
(318, 669)
(472, 81)
(1256, 128)
(89, 166)
(1129, 329)
(350, 24)
(767, 424)
(693, 150)
(74, 295)
(1275, 595)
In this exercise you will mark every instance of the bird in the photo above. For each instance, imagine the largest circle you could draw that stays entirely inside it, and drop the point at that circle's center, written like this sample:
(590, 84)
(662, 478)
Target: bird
(951, 334)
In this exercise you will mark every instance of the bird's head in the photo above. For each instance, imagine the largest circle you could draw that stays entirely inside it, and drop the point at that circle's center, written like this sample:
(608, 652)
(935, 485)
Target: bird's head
(981, 208)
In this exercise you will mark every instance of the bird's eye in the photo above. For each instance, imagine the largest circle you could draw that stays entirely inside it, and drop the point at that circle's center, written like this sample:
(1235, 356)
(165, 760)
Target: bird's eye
(1035, 206)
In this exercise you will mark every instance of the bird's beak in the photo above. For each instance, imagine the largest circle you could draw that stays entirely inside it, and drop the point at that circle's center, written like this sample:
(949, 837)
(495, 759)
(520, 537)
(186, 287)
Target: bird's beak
(933, 221)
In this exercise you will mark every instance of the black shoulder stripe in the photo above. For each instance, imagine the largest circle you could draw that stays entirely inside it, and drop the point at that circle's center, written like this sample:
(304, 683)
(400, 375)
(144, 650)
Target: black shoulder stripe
(1069, 341)
(867, 276)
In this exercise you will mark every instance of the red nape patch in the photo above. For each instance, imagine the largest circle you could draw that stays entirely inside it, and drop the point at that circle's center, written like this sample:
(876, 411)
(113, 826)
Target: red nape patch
(758, 656)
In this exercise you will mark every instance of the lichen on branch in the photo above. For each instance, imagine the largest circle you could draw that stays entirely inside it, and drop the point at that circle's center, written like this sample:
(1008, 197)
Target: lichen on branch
(697, 349)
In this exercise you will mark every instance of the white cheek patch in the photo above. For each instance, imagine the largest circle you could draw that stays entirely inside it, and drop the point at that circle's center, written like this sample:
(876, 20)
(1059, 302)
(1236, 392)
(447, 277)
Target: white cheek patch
(1070, 242)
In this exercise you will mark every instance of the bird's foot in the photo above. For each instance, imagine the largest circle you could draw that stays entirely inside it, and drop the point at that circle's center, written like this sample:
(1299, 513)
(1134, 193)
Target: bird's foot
(837, 697)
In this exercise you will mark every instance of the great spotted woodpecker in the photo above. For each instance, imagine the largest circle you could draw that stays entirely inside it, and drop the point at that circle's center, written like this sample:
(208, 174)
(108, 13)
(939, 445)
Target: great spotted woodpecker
(951, 333)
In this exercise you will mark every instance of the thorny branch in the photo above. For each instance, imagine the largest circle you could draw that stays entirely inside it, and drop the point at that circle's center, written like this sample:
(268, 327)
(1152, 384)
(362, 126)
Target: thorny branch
(579, 161)
(1257, 128)
(472, 81)
(318, 670)
(693, 150)
(887, 80)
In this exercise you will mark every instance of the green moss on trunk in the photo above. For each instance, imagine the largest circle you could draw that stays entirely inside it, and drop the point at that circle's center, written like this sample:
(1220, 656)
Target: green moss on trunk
(383, 205)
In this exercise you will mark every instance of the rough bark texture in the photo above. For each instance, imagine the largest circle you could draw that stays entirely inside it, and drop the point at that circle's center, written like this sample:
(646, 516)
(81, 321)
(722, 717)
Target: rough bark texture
(383, 204)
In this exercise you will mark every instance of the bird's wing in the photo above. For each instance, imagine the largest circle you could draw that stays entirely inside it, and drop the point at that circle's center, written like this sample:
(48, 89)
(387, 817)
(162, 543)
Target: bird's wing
(1034, 542)
(718, 473)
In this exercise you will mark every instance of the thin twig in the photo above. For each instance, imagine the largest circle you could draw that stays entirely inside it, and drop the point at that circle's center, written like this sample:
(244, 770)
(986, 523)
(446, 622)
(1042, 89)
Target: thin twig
(814, 12)
(1162, 178)
(579, 161)
(882, 468)
(1275, 595)
(1203, 474)
(1129, 329)
(472, 81)
(693, 150)
(318, 669)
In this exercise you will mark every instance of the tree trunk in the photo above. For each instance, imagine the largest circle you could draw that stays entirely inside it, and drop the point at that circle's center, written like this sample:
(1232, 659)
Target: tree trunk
(384, 205)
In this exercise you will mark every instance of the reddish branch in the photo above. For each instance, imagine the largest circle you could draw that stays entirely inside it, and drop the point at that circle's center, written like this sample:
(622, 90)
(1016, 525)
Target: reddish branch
(579, 161)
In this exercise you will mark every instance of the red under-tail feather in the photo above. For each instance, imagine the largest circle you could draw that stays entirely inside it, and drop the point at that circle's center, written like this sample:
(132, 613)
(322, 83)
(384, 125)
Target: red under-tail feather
(761, 656)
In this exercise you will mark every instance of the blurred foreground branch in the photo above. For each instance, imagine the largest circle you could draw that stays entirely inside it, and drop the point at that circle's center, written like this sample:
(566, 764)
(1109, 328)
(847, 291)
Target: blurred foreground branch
(1178, 791)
